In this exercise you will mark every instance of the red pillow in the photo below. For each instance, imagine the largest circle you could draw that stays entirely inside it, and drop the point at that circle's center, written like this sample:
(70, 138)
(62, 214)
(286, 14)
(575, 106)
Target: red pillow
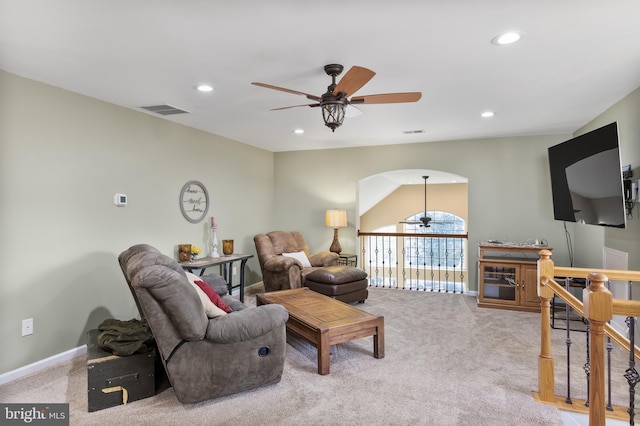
(213, 296)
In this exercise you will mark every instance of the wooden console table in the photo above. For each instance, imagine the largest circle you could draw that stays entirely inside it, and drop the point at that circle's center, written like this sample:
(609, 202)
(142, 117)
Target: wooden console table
(225, 263)
(507, 276)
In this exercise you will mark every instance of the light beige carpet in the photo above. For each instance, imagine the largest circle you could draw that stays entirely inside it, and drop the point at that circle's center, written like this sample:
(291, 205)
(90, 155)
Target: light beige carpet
(447, 363)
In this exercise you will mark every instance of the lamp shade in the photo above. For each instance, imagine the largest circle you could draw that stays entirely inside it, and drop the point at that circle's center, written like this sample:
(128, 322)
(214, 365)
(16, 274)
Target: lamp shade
(336, 218)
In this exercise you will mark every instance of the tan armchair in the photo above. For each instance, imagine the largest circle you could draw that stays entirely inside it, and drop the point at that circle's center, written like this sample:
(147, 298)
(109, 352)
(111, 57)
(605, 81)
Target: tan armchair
(282, 272)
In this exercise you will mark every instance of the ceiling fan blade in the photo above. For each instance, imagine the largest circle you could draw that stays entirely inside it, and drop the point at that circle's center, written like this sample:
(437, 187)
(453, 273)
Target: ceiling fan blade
(353, 80)
(282, 89)
(387, 98)
(294, 106)
(352, 111)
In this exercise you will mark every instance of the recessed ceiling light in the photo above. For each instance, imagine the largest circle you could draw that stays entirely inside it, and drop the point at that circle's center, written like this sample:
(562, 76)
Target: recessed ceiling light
(488, 114)
(204, 88)
(507, 38)
(298, 131)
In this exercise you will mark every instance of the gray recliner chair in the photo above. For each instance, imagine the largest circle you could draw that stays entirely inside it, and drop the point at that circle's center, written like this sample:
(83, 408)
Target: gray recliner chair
(204, 358)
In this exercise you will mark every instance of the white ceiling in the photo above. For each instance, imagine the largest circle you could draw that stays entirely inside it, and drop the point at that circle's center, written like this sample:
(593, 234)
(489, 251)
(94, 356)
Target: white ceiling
(578, 57)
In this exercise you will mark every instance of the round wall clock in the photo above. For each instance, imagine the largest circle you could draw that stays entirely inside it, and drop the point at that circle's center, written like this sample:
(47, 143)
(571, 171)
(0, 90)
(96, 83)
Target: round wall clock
(194, 201)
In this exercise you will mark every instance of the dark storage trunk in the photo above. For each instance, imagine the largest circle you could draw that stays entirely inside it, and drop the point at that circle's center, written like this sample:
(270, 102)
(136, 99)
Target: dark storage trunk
(115, 380)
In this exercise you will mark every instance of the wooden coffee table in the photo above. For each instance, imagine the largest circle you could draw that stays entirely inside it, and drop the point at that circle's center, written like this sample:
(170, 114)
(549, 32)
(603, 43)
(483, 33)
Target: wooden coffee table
(323, 321)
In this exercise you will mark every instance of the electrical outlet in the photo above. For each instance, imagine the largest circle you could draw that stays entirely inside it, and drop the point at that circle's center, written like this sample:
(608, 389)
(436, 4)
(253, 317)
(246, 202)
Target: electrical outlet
(27, 326)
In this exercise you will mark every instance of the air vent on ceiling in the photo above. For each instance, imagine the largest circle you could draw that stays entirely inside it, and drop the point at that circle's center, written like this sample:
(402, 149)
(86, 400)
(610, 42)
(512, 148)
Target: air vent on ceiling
(165, 109)
(412, 132)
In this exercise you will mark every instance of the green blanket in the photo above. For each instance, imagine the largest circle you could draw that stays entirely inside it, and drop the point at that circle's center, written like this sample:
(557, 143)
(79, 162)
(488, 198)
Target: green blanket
(124, 338)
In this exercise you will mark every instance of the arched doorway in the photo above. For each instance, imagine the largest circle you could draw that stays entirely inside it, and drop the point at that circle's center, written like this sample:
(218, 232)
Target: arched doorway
(399, 254)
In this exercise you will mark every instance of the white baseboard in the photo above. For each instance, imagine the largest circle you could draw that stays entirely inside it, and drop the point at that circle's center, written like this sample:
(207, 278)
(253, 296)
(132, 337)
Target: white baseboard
(42, 364)
(472, 293)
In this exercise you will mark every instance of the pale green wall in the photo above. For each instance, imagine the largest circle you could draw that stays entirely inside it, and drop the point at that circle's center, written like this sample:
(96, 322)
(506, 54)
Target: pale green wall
(589, 250)
(62, 158)
(509, 188)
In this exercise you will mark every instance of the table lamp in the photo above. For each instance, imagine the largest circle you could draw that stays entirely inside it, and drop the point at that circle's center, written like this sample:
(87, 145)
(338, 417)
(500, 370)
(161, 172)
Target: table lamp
(335, 219)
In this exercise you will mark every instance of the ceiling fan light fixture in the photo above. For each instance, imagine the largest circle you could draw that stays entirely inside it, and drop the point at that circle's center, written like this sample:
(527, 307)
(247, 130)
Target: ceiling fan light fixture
(335, 103)
(425, 219)
(333, 113)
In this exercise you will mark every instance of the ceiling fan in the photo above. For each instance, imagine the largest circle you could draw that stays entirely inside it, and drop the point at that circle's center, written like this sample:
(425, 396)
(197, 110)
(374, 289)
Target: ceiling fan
(425, 221)
(335, 100)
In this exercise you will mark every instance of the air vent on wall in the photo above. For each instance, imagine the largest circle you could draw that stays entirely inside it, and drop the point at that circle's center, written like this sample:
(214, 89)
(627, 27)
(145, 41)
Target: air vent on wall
(165, 109)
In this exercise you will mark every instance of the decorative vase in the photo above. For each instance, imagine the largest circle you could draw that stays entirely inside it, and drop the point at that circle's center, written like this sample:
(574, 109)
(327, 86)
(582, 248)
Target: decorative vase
(214, 243)
(184, 252)
(227, 247)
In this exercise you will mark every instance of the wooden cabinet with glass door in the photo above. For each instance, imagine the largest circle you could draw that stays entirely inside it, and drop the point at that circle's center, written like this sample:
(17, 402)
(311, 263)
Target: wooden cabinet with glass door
(507, 277)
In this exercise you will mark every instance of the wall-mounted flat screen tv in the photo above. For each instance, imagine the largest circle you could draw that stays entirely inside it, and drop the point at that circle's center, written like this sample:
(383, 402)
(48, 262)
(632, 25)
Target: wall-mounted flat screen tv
(586, 179)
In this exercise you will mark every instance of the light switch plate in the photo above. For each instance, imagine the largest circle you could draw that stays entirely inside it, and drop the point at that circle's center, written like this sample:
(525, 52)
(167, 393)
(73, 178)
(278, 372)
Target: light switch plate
(27, 327)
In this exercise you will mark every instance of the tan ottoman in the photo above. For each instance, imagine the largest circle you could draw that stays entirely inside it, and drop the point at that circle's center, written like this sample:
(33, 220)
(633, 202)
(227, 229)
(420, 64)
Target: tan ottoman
(345, 283)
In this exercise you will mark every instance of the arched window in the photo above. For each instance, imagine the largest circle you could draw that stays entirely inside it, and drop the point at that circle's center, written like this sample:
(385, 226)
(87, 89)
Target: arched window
(444, 253)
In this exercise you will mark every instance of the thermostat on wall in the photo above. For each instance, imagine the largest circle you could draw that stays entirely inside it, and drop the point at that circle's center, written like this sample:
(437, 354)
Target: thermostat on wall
(120, 200)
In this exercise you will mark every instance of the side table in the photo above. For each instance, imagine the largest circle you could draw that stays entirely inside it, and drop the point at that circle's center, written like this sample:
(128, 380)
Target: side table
(225, 263)
(347, 259)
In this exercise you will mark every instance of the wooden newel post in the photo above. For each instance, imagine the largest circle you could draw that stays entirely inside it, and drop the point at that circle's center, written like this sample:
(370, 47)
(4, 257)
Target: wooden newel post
(546, 384)
(598, 309)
